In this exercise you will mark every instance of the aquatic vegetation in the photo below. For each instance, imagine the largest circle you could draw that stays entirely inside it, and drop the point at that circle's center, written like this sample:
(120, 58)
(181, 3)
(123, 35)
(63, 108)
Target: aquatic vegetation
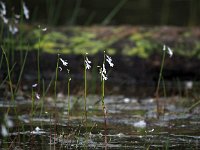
(170, 52)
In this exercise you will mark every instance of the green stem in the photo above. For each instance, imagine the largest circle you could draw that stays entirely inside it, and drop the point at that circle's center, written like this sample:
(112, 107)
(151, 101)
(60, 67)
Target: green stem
(56, 78)
(194, 105)
(85, 90)
(21, 71)
(68, 95)
(33, 102)
(9, 80)
(158, 84)
(104, 108)
(38, 60)
(1, 61)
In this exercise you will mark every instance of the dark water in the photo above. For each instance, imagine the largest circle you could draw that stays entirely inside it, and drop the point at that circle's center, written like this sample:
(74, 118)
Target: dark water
(131, 124)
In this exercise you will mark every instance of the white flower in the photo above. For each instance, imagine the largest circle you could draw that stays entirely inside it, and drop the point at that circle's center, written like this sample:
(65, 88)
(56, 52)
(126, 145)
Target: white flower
(17, 16)
(3, 9)
(60, 68)
(26, 11)
(4, 131)
(37, 129)
(109, 60)
(87, 63)
(9, 122)
(102, 71)
(44, 29)
(169, 51)
(5, 20)
(37, 96)
(13, 29)
(64, 62)
(164, 47)
(34, 85)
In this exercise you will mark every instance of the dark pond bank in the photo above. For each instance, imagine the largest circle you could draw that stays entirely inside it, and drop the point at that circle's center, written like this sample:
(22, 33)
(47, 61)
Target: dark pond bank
(136, 12)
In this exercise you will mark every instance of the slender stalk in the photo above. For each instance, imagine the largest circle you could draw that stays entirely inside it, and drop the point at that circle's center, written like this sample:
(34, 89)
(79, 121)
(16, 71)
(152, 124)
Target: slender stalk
(33, 103)
(9, 80)
(68, 95)
(2, 83)
(158, 84)
(85, 90)
(42, 100)
(103, 107)
(55, 99)
(38, 59)
(194, 105)
(21, 71)
(1, 61)
(56, 78)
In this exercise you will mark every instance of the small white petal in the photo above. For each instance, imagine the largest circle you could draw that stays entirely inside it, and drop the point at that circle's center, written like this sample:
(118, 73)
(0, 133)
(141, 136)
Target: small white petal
(109, 60)
(60, 68)
(9, 122)
(3, 9)
(64, 62)
(37, 129)
(34, 85)
(164, 47)
(87, 63)
(104, 69)
(44, 29)
(17, 16)
(4, 131)
(37, 96)
(170, 52)
(5, 20)
(13, 29)
(26, 11)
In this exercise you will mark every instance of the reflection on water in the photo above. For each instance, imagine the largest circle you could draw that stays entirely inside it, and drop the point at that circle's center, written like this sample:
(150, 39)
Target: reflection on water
(132, 123)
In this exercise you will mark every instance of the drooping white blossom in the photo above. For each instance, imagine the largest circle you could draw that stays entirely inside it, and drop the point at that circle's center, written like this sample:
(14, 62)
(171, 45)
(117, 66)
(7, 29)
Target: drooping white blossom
(17, 16)
(9, 123)
(60, 68)
(4, 131)
(64, 62)
(169, 50)
(109, 60)
(3, 12)
(37, 96)
(2, 9)
(26, 11)
(87, 63)
(5, 20)
(102, 71)
(44, 29)
(13, 29)
(34, 85)
(164, 47)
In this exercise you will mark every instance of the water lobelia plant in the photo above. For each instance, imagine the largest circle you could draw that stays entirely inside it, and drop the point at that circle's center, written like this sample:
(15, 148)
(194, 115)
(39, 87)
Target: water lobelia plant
(170, 52)
(87, 66)
(65, 63)
(104, 77)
